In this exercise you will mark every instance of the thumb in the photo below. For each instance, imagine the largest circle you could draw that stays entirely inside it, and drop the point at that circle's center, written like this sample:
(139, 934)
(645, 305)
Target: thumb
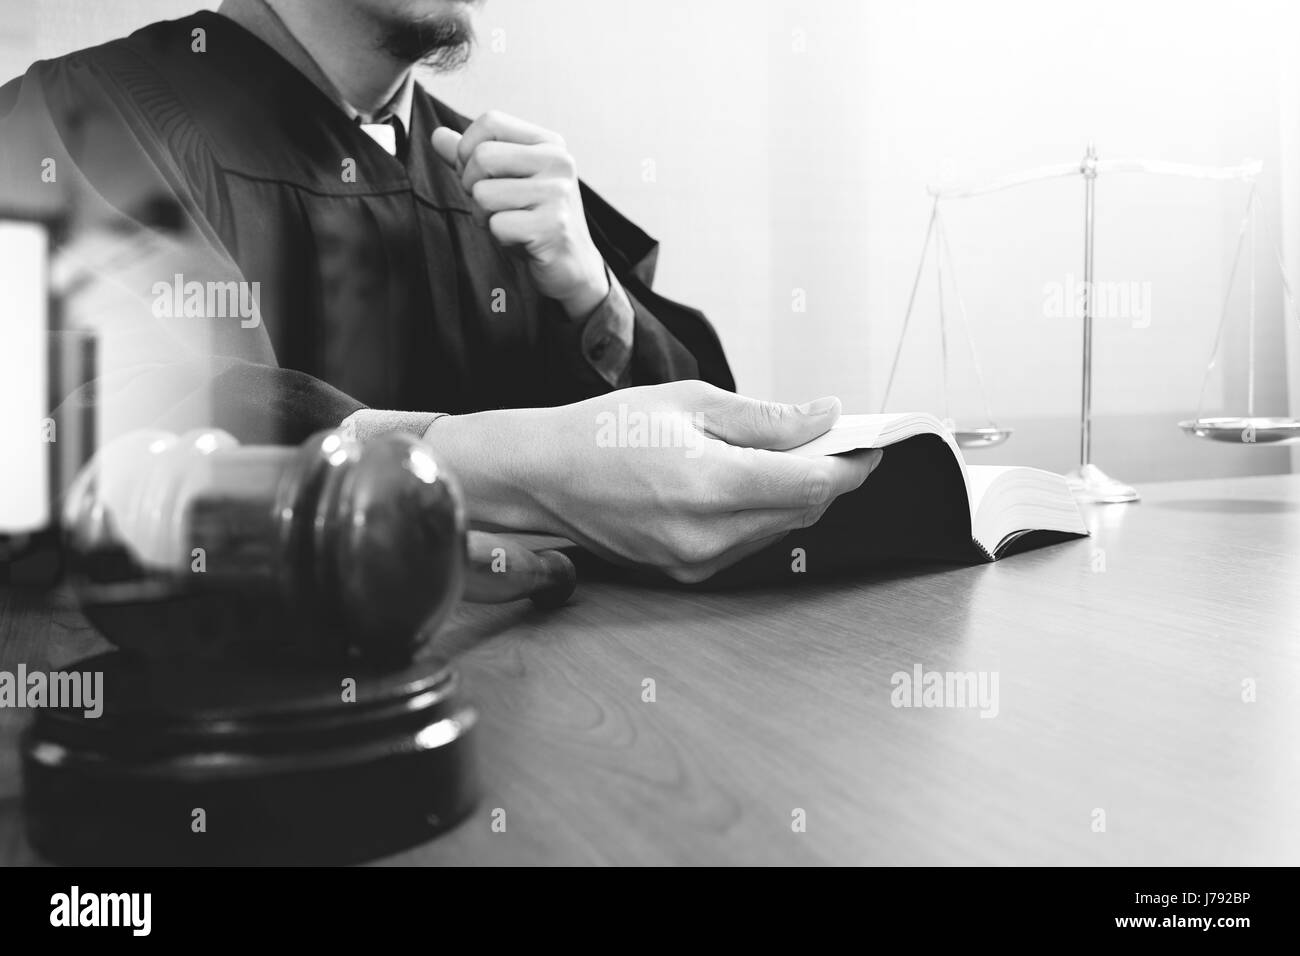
(752, 423)
(445, 143)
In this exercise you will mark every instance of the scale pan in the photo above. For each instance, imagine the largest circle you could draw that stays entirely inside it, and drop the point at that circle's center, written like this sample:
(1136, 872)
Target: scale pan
(985, 437)
(1244, 431)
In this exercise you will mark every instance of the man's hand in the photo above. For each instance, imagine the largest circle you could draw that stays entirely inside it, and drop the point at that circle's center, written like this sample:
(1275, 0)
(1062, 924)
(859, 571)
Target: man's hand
(526, 183)
(678, 477)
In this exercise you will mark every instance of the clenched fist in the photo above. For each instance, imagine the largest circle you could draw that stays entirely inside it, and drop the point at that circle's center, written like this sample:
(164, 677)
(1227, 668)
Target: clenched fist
(526, 184)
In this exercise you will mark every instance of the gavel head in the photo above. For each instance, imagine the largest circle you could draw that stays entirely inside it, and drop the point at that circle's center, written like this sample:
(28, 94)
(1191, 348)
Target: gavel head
(199, 548)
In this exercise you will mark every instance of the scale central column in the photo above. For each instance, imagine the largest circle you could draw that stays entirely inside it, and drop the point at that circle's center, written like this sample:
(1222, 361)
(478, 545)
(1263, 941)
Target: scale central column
(1089, 213)
(1090, 483)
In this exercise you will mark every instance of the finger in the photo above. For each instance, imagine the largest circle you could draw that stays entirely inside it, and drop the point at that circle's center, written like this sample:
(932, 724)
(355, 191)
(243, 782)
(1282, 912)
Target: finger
(752, 531)
(516, 227)
(771, 480)
(754, 423)
(777, 521)
(499, 195)
(511, 161)
(502, 127)
(502, 569)
(445, 142)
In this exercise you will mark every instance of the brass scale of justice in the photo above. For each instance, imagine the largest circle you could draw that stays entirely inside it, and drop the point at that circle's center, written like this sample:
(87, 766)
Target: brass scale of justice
(1088, 481)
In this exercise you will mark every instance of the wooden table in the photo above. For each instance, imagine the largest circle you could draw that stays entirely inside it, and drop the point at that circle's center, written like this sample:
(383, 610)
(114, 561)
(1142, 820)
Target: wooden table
(1120, 662)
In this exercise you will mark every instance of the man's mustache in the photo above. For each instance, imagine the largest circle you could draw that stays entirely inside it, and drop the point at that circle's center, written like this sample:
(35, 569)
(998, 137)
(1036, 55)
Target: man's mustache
(443, 41)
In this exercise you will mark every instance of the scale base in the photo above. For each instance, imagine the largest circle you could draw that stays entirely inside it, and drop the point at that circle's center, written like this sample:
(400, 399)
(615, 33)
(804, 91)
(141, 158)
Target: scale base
(1090, 484)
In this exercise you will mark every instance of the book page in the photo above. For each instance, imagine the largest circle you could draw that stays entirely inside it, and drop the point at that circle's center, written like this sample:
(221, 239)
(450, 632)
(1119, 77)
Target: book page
(980, 478)
(852, 432)
(1011, 501)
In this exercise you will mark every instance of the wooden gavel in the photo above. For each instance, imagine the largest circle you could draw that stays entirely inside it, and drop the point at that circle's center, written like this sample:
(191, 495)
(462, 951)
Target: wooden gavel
(198, 546)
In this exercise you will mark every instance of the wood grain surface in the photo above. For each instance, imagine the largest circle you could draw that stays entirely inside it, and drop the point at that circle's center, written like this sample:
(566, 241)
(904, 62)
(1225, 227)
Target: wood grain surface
(1120, 663)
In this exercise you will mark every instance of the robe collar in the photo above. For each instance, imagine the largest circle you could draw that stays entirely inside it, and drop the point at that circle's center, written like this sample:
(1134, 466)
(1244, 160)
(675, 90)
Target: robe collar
(259, 19)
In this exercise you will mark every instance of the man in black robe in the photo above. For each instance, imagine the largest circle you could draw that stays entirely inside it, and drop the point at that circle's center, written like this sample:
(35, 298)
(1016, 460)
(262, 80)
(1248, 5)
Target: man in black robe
(313, 241)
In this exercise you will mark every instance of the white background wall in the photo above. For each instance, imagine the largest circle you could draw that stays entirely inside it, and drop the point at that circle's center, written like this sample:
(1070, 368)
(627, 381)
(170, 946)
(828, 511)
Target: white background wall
(774, 145)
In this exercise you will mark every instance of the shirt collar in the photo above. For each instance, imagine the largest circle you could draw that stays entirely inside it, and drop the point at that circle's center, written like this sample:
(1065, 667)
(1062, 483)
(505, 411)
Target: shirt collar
(257, 17)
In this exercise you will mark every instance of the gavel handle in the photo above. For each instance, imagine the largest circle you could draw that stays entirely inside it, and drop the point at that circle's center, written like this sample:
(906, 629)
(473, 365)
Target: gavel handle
(501, 569)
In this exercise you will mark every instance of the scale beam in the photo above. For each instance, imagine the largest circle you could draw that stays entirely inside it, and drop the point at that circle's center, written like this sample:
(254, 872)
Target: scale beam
(1246, 171)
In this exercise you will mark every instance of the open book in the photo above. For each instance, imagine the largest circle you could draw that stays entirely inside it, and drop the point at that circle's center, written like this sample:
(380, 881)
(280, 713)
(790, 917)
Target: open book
(922, 502)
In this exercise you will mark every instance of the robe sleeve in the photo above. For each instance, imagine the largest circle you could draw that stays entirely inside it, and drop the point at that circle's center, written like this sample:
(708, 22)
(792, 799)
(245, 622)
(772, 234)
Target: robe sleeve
(671, 341)
(100, 145)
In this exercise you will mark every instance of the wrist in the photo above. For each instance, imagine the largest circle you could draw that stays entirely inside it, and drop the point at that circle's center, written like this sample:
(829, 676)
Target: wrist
(494, 457)
(583, 301)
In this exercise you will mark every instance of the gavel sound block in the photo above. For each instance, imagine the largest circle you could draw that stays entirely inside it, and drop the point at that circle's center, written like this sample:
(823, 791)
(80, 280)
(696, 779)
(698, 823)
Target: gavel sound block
(239, 765)
(269, 702)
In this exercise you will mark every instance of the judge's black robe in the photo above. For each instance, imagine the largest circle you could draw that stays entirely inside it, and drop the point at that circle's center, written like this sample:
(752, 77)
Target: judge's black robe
(377, 288)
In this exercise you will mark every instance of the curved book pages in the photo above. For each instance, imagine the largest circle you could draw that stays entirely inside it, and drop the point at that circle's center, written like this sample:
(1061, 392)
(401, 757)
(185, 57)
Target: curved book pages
(923, 502)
